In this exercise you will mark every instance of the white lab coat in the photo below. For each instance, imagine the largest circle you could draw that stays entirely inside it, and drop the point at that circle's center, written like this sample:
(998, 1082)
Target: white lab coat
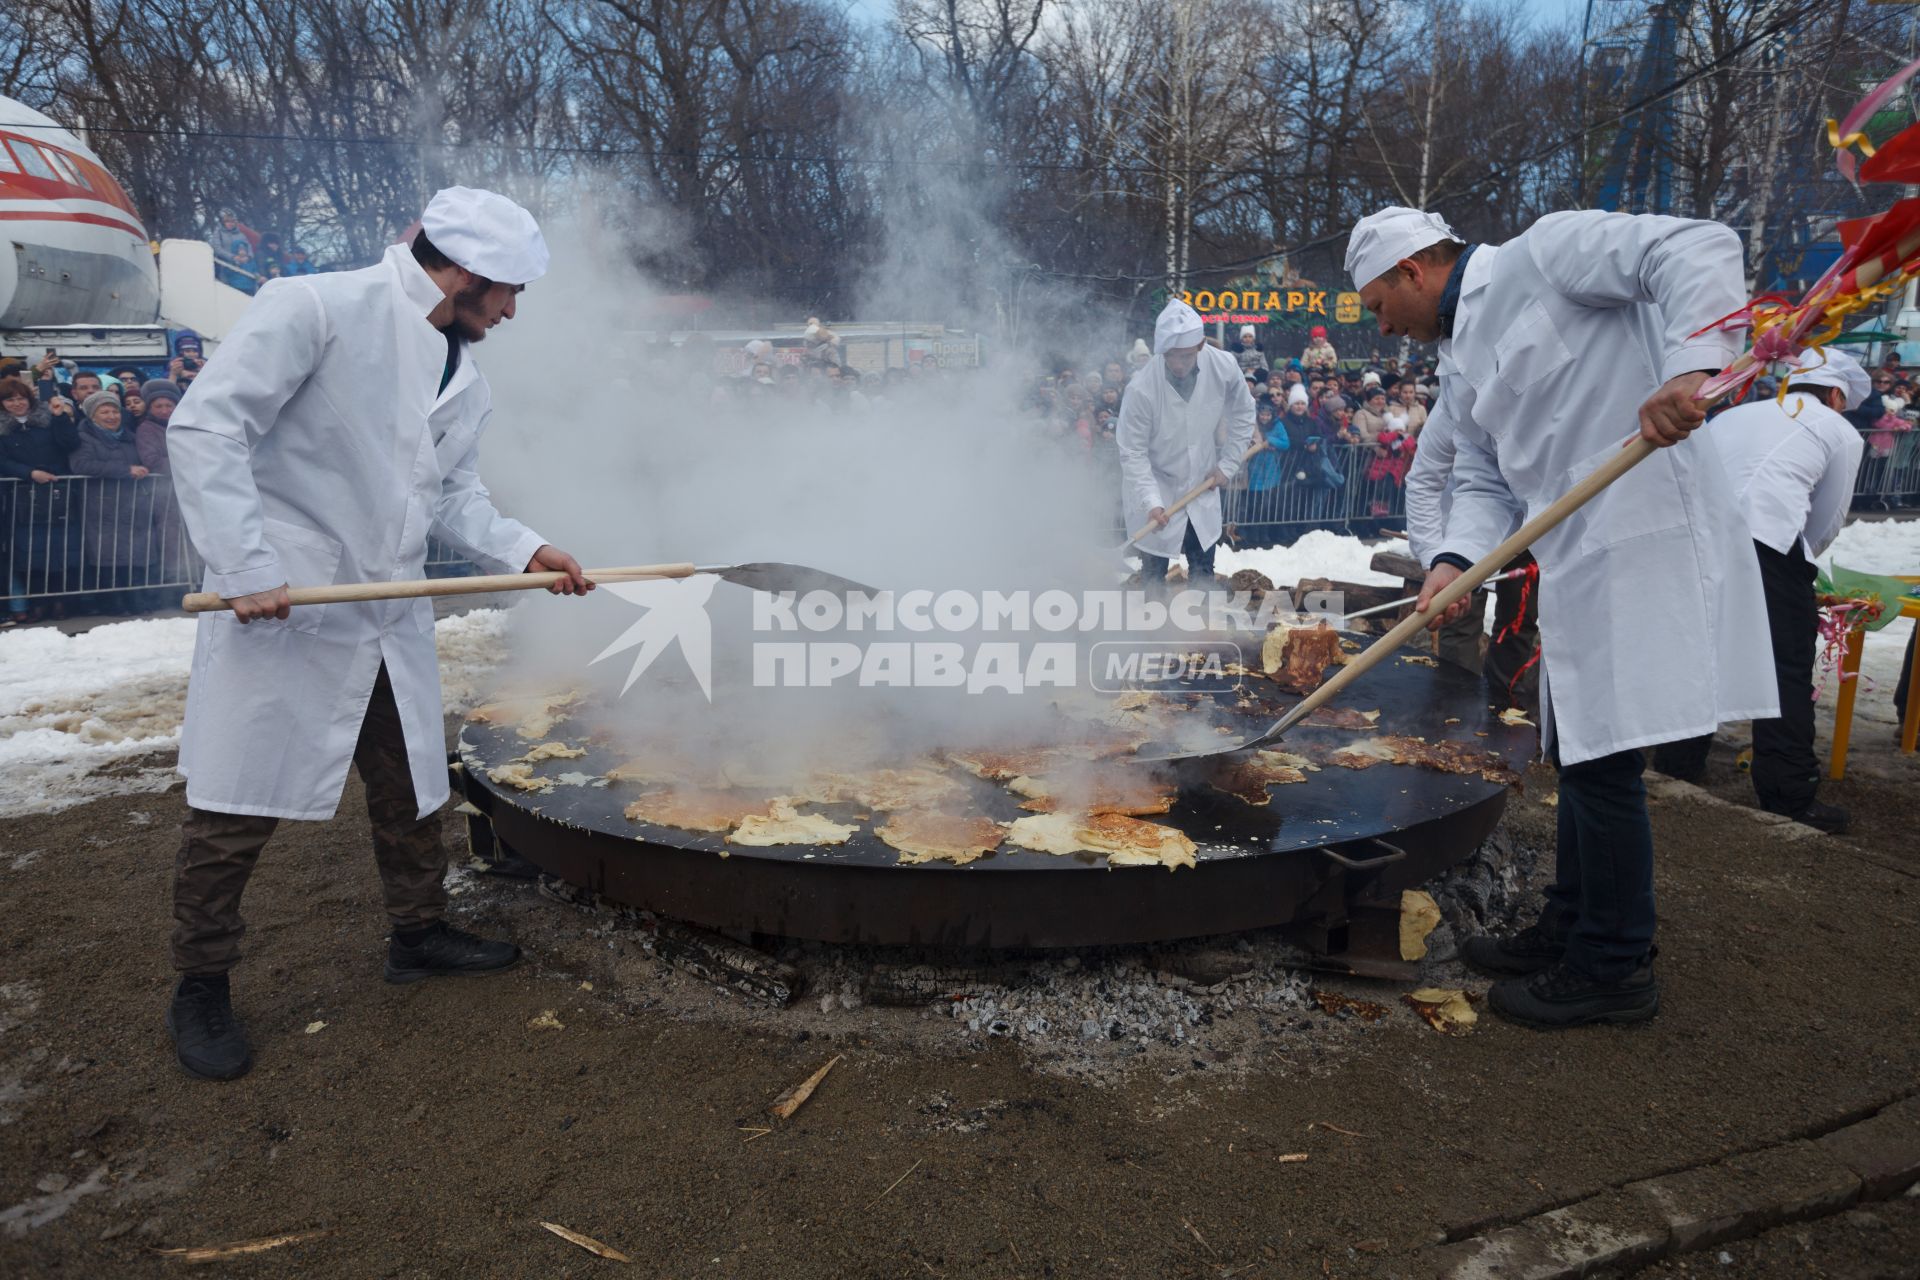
(1792, 464)
(1168, 445)
(1652, 623)
(317, 448)
(1429, 488)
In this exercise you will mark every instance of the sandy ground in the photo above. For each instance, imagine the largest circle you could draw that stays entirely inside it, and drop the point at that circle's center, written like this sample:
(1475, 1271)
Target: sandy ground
(430, 1129)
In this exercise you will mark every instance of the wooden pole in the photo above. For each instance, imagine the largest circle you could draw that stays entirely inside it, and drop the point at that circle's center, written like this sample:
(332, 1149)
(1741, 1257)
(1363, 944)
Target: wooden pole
(358, 592)
(1189, 496)
(1843, 709)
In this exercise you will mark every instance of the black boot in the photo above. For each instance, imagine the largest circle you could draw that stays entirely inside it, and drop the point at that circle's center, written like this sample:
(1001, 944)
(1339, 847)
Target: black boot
(1562, 997)
(1830, 818)
(207, 1039)
(441, 950)
(1528, 951)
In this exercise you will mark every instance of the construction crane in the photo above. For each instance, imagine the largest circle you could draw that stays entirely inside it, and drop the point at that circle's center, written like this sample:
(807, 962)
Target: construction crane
(1632, 55)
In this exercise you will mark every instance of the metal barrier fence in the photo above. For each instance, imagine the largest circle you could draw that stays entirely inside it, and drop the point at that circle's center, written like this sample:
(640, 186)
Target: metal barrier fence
(120, 545)
(1290, 502)
(115, 545)
(1889, 472)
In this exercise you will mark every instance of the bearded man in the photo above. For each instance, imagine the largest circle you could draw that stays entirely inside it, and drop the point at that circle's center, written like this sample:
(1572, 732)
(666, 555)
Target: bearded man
(333, 432)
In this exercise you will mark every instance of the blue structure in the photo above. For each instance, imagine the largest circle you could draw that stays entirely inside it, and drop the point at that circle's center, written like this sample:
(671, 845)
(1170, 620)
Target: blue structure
(1628, 62)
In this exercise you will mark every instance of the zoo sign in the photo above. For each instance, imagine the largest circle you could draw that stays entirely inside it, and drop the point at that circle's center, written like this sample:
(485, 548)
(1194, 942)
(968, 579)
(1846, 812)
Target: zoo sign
(1249, 302)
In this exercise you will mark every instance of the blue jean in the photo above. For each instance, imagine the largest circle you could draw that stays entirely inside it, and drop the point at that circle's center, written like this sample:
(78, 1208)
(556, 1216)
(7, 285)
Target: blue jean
(1601, 900)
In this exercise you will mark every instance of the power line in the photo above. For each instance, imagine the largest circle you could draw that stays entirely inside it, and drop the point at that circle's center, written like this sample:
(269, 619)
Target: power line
(736, 157)
(1497, 174)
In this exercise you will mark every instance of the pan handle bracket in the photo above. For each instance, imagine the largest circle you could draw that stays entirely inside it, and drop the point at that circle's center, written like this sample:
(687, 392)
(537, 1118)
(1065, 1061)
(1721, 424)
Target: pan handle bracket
(1393, 853)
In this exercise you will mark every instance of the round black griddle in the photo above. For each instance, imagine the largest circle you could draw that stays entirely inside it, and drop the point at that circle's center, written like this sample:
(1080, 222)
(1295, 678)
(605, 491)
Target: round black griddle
(1316, 847)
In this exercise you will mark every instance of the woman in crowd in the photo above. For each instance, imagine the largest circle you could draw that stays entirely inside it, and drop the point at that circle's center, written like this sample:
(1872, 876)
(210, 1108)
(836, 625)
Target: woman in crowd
(159, 396)
(35, 447)
(1316, 477)
(117, 520)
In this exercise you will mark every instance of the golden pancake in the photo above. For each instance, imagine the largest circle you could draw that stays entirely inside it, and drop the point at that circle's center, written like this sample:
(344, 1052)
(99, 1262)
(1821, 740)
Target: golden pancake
(923, 836)
(781, 824)
(696, 810)
(1128, 791)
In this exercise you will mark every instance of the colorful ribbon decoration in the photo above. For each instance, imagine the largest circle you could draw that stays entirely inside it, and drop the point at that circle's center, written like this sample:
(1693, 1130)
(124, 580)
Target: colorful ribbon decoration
(1879, 255)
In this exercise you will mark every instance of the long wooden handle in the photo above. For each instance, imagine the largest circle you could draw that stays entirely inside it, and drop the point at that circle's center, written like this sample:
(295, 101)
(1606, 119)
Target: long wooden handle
(355, 592)
(1189, 496)
(1629, 457)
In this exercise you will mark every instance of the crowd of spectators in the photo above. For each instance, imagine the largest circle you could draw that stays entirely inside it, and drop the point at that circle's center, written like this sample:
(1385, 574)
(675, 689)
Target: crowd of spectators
(87, 520)
(246, 259)
(1890, 470)
(1336, 436)
(73, 532)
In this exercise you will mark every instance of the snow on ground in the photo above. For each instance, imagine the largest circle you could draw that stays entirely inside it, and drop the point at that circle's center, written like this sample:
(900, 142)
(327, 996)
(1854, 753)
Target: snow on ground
(81, 716)
(72, 705)
(1318, 553)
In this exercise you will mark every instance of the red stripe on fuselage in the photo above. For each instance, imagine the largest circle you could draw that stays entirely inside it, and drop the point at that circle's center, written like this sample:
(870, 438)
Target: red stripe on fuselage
(54, 214)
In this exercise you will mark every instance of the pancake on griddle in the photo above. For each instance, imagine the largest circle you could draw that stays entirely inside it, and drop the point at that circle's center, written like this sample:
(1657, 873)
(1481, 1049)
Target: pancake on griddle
(923, 836)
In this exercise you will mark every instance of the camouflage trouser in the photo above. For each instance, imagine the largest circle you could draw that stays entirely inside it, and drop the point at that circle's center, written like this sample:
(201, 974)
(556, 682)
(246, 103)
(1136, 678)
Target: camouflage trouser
(218, 851)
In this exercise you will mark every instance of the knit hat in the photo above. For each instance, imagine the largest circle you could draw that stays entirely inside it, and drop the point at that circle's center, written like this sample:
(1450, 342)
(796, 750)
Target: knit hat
(160, 389)
(98, 400)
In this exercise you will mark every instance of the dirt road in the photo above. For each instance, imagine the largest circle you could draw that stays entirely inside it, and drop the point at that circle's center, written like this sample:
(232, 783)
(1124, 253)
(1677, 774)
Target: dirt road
(430, 1129)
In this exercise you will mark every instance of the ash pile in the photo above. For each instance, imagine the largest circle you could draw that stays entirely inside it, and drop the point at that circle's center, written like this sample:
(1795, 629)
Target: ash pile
(1215, 1005)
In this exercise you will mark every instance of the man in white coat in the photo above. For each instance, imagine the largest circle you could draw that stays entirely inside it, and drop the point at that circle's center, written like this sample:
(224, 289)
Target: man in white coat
(1792, 462)
(336, 428)
(1652, 625)
(1186, 419)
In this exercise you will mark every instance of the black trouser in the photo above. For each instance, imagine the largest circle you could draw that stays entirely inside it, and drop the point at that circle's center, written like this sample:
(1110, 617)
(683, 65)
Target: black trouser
(1199, 559)
(1785, 769)
(1601, 900)
(1906, 675)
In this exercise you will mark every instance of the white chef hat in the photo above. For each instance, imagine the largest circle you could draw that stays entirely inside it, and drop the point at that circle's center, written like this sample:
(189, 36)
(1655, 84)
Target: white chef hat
(486, 233)
(1178, 326)
(1827, 367)
(1381, 239)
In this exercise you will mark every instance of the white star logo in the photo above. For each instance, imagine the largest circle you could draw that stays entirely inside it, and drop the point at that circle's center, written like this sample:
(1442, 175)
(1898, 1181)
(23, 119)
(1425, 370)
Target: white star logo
(676, 611)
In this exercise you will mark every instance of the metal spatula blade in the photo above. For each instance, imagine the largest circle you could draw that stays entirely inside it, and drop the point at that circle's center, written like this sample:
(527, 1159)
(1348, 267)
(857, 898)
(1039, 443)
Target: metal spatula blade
(774, 576)
(1156, 753)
